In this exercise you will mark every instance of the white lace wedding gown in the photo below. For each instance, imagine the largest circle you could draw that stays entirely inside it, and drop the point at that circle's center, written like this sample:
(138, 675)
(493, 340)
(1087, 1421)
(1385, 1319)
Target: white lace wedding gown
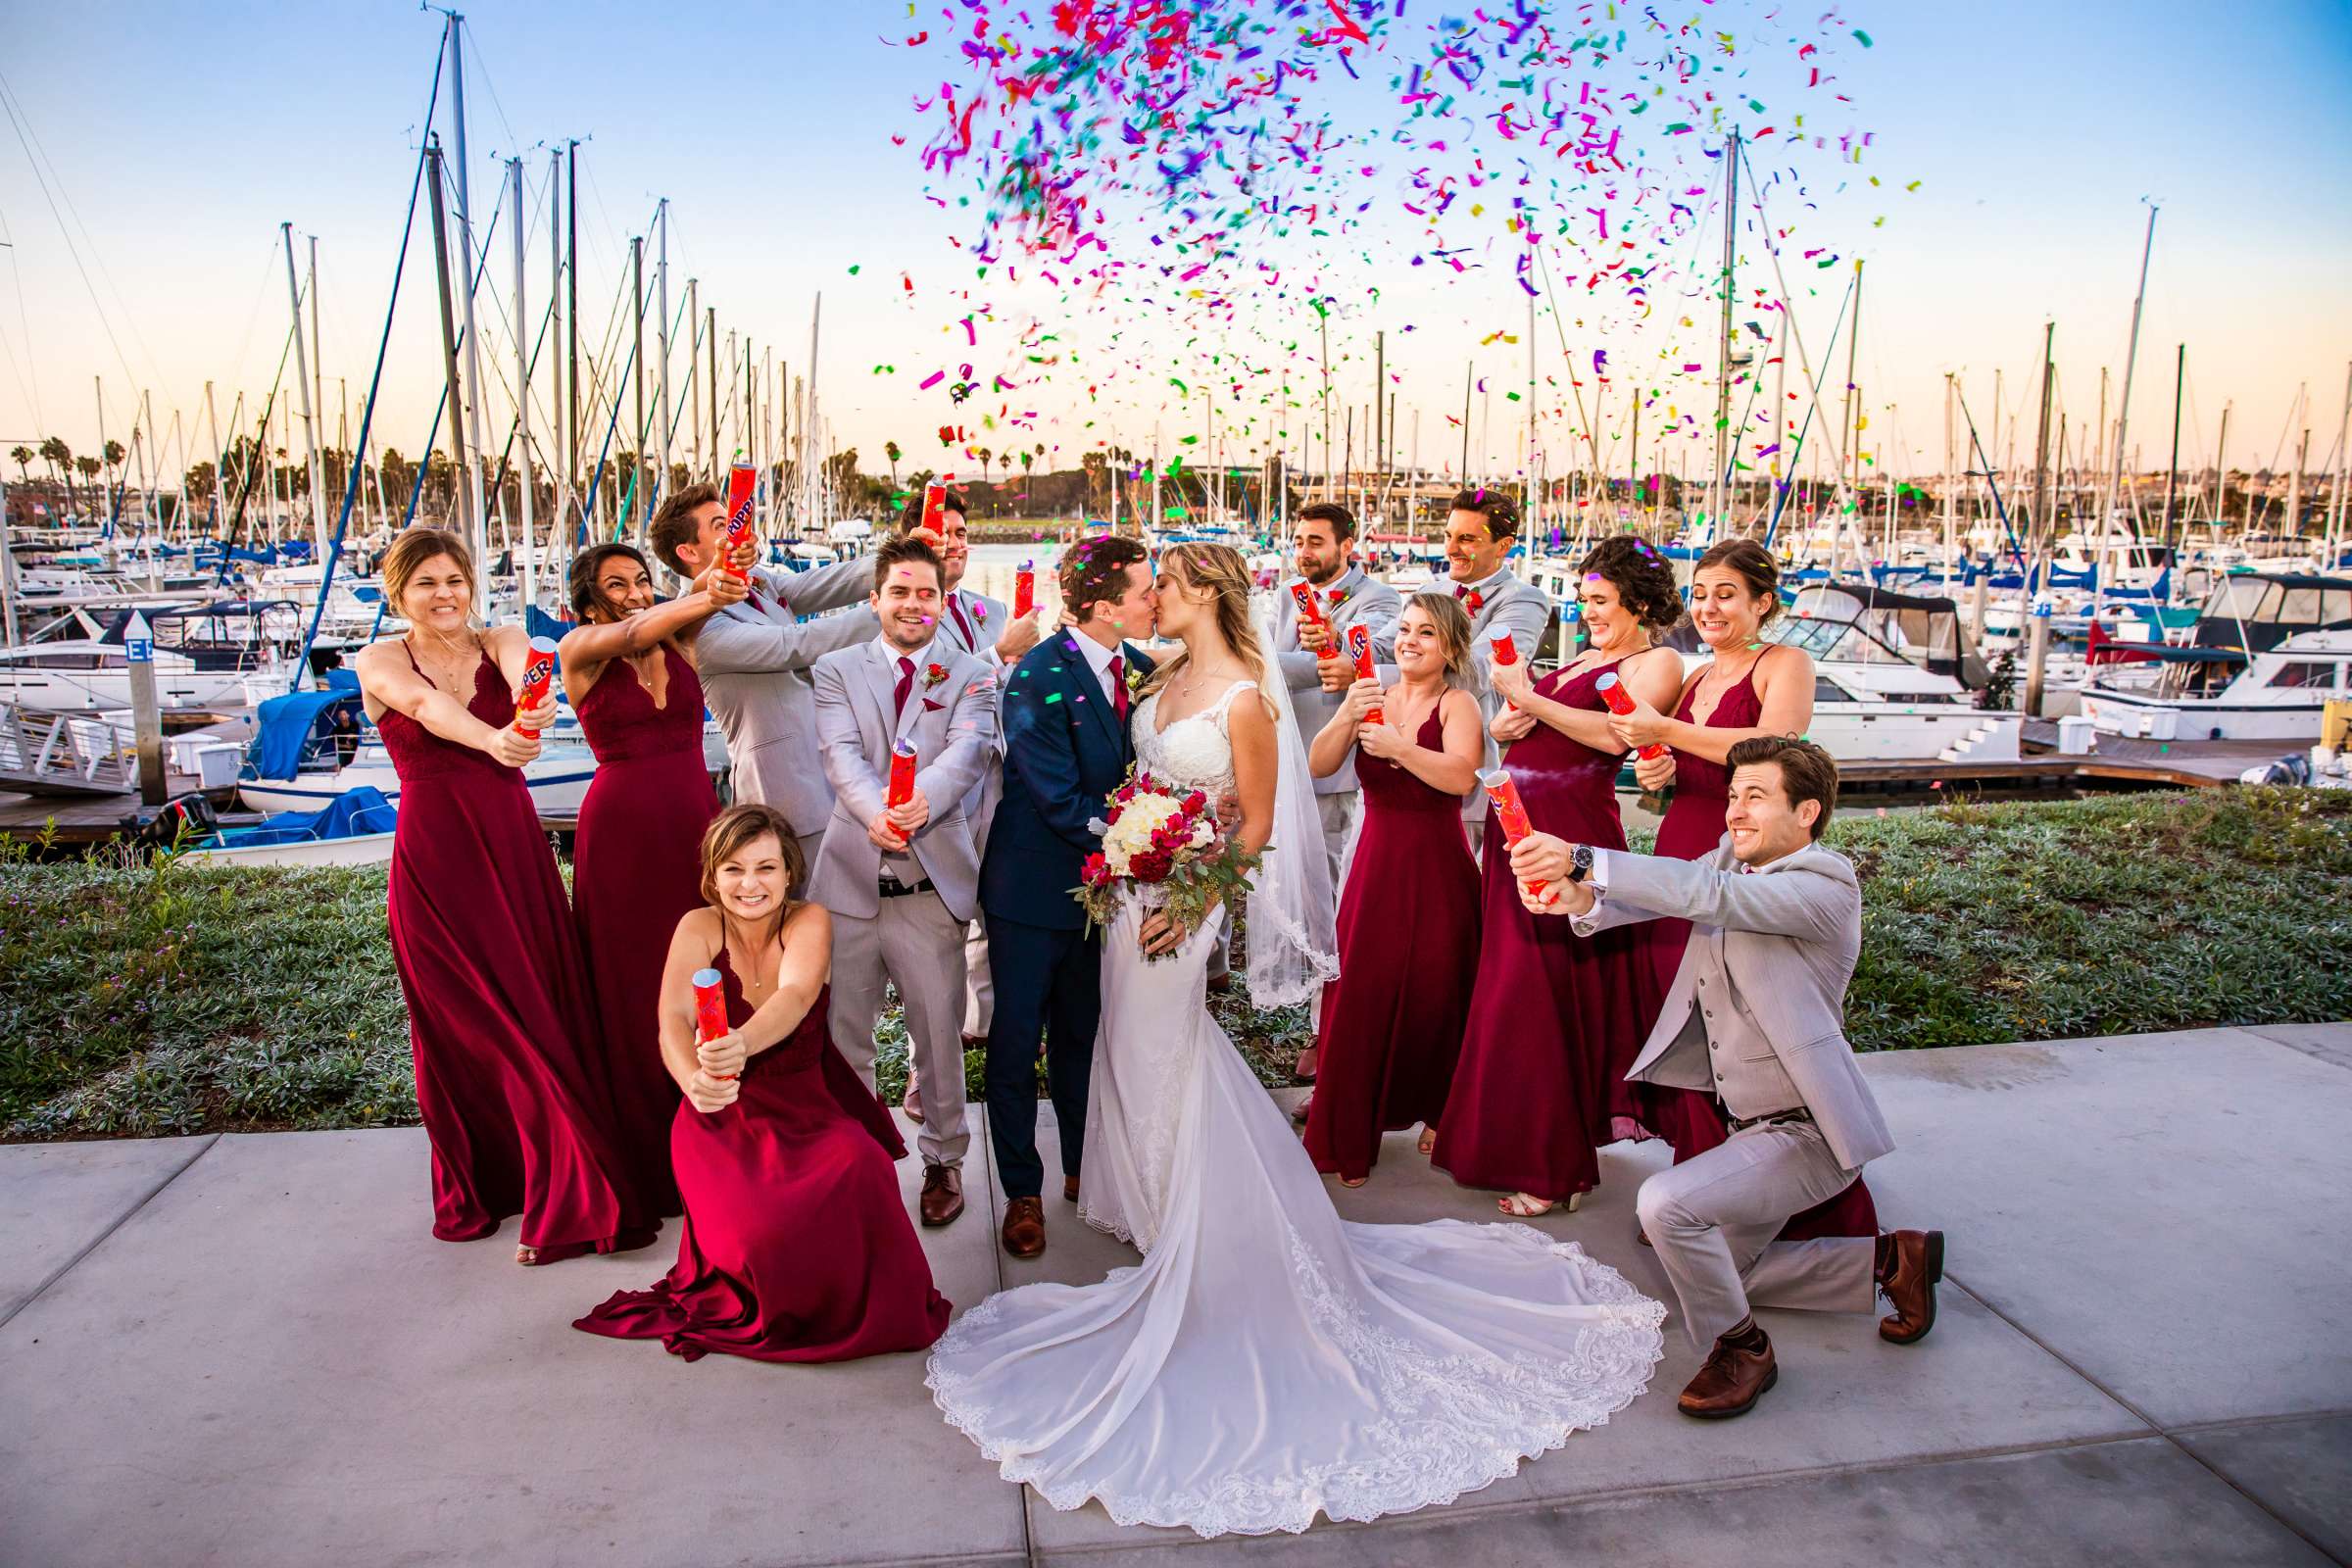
(1267, 1360)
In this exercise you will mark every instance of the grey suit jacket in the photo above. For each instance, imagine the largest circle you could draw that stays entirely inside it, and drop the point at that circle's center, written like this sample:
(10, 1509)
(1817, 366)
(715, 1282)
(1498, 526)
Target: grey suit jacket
(754, 662)
(1524, 607)
(985, 619)
(1365, 600)
(1757, 1010)
(953, 724)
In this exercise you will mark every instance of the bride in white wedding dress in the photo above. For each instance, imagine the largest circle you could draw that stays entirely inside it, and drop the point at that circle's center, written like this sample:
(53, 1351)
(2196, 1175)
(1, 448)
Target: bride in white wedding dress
(1267, 1360)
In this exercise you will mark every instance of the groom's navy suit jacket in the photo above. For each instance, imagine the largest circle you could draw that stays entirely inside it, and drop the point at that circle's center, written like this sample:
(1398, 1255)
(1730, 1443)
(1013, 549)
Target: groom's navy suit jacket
(1065, 751)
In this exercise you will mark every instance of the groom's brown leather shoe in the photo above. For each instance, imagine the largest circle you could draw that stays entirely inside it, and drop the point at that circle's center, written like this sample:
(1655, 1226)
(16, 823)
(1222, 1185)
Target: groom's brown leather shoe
(1069, 1189)
(1909, 1286)
(1025, 1227)
(1731, 1383)
(943, 1194)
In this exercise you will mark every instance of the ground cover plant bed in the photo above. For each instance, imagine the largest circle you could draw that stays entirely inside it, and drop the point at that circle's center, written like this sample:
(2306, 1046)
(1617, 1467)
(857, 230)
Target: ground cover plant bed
(177, 997)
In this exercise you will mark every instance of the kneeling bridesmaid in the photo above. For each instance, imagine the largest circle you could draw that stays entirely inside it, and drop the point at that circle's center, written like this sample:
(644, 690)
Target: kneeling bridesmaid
(797, 1245)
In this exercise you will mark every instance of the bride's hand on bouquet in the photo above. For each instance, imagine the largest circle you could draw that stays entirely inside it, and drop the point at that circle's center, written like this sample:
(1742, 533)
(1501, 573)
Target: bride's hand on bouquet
(1161, 934)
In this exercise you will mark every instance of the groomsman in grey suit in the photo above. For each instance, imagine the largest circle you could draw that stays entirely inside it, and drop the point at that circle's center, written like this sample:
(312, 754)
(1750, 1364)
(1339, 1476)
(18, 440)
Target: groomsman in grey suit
(975, 624)
(902, 881)
(753, 658)
(1480, 529)
(1313, 659)
(1756, 1016)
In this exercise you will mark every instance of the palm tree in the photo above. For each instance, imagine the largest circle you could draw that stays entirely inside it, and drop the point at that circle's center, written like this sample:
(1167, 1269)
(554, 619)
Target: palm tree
(59, 458)
(889, 450)
(985, 457)
(114, 461)
(21, 455)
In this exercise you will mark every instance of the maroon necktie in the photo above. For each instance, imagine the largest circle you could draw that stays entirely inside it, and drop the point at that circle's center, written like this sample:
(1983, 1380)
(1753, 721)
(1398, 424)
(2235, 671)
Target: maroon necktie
(1118, 686)
(752, 598)
(898, 693)
(962, 625)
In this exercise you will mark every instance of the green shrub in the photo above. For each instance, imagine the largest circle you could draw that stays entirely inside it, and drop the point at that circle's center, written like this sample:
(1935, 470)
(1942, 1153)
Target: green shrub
(139, 999)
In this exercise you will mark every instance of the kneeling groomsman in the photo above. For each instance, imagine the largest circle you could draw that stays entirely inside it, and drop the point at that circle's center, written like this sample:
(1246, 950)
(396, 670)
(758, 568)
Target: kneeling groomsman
(902, 880)
(1756, 1016)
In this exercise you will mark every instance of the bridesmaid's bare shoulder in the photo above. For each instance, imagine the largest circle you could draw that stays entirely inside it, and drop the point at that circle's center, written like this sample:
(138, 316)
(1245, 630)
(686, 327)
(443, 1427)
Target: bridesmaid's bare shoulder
(704, 928)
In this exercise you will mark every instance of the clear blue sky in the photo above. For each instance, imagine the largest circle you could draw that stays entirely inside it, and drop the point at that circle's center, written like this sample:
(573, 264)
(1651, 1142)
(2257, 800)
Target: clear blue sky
(182, 136)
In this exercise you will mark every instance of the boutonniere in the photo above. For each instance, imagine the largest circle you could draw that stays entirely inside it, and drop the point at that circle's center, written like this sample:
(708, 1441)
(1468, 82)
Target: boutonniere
(980, 611)
(1475, 601)
(1340, 596)
(1135, 680)
(933, 674)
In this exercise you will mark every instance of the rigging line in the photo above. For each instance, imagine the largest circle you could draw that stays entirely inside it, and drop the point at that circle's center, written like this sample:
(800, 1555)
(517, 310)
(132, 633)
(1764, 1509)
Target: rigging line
(98, 257)
(351, 487)
(24, 324)
(71, 250)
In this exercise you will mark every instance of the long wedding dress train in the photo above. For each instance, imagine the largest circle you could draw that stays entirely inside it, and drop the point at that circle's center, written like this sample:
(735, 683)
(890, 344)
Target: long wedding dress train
(1267, 1361)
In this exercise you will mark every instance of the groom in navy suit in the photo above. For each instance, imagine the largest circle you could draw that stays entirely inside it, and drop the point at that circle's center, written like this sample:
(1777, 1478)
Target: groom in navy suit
(1067, 747)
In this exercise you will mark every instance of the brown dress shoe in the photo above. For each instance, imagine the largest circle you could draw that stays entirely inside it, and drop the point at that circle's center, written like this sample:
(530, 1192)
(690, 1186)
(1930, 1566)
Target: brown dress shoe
(1069, 1189)
(911, 1101)
(1910, 1285)
(1731, 1383)
(943, 1194)
(1025, 1227)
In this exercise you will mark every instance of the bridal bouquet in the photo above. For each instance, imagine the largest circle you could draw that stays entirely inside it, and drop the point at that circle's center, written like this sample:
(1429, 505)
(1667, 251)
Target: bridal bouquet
(1168, 847)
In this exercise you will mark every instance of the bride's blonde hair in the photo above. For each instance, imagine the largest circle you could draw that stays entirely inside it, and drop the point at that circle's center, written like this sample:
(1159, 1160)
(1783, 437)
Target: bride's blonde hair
(1220, 568)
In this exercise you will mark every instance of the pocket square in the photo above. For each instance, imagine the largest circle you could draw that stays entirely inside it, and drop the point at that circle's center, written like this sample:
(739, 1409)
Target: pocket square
(930, 707)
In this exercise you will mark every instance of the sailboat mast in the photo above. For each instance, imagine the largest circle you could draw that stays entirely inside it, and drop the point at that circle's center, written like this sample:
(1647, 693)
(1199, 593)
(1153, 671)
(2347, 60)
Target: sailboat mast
(637, 314)
(661, 285)
(2123, 417)
(808, 453)
(2171, 472)
(524, 478)
(473, 411)
(302, 382)
(572, 311)
(448, 334)
(561, 487)
(1718, 483)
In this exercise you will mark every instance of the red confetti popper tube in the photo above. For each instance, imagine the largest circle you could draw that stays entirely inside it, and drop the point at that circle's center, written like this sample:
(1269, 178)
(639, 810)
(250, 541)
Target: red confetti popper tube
(1509, 810)
(935, 508)
(743, 488)
(902, 775)
(538, 674)
(1308, 610)
(1506, 651)
(1025, 590)
(1359, 649)
(1620, 703)
(710, 1011)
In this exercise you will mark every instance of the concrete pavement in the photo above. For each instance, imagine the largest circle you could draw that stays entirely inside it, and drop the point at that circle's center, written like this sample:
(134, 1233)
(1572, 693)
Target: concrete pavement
(249, 1351)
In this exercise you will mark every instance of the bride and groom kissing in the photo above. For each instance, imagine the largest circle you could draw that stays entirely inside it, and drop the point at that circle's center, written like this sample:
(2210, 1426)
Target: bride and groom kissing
(1265, 1361)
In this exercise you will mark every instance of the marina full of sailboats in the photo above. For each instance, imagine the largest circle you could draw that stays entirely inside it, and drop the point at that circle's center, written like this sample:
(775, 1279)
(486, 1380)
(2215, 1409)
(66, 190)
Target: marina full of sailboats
(2045, 570)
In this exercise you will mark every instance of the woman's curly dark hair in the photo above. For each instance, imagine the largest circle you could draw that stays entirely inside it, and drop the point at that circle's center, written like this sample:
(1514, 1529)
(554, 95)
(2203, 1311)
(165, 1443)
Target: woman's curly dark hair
(1642, 575)
(580, 584)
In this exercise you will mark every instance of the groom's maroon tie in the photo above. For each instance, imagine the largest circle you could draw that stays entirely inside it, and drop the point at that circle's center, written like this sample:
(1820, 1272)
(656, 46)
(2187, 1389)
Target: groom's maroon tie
(898, 693)
(1118, 687)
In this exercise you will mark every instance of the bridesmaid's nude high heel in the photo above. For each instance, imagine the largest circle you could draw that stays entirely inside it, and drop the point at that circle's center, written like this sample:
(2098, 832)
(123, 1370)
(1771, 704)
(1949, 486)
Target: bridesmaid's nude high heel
(1526, 1206)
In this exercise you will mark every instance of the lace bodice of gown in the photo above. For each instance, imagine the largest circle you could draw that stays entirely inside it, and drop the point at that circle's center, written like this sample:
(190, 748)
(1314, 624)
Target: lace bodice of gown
(1196, 752)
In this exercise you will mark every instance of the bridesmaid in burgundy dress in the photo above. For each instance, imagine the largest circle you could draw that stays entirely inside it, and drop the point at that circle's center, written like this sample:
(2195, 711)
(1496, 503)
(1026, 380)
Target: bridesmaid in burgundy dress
(511, 1086)
(797, 1245)
(1555, 1020)
(629, 672)
(1750, 688)
(1408, 917)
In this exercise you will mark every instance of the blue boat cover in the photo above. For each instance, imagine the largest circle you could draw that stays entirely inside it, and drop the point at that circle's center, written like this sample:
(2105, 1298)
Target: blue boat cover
(349, 815)
(288, 723)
